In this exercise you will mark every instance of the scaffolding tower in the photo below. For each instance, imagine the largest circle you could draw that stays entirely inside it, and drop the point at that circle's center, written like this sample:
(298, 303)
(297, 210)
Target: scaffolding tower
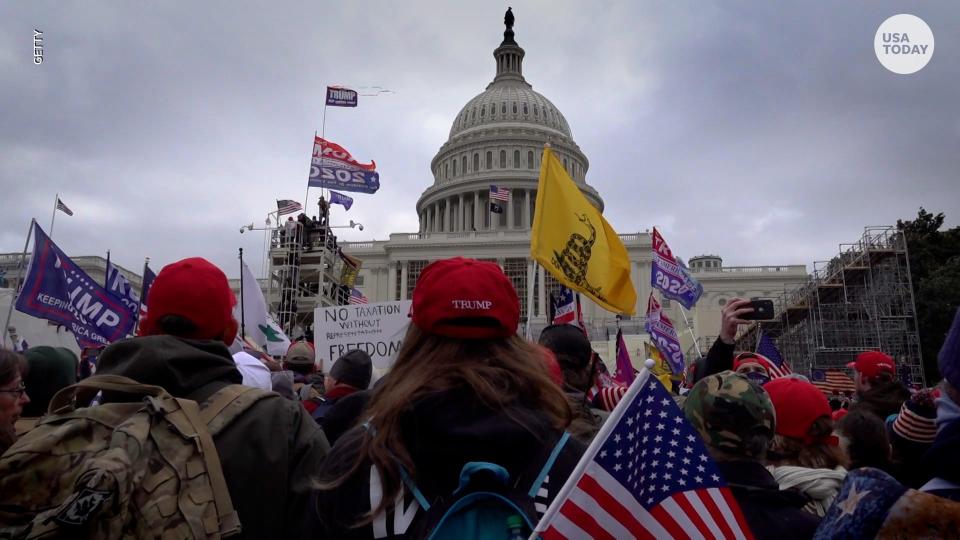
(862, 299)
(305, 271)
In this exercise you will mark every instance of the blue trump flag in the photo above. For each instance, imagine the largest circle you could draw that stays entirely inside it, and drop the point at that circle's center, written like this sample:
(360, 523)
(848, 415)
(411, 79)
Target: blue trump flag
(118, 285)
(56, 289)
(341, 199)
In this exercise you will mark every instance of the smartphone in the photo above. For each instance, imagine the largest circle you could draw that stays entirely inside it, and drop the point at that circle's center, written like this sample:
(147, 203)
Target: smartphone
(762, 311)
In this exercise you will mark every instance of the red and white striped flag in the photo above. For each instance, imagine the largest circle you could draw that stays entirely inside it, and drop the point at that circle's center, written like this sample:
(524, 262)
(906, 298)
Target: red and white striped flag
(287, 206)
(63, 208)
(357, 297)
(647, 474)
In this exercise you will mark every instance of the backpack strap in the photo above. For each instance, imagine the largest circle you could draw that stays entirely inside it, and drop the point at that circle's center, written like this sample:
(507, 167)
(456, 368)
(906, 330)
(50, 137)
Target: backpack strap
(554, 454)
(223, 407)
(229, 521)
(112, 383)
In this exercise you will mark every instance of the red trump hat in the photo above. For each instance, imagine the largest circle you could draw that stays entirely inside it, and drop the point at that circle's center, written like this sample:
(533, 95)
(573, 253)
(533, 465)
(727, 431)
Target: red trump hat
(465, 298)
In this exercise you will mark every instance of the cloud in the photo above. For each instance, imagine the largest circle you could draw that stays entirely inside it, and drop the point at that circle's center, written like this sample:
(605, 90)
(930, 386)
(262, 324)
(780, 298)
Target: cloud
(765, 133)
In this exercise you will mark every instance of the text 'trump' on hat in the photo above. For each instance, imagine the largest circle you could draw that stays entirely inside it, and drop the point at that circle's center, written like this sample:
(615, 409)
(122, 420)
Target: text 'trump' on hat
(465, 298)
(873, 363)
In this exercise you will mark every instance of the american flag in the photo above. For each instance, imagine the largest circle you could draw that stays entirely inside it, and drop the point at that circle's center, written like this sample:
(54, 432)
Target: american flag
(286, 206)
(63, 208)
(832, 381)
(767, 348)
(147, 282)
(357, 297)
(499, 194)
(647, 475)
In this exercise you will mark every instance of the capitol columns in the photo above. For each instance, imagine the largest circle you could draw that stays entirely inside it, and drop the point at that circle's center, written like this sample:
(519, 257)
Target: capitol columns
(447, 224)
(510, 211)
(526, 210)
(476, 210)
(461, 216)
(404, 274)
(392, 281)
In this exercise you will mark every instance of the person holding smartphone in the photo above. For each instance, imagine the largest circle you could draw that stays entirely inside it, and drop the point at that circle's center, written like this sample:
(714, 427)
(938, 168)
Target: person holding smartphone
(735, 312)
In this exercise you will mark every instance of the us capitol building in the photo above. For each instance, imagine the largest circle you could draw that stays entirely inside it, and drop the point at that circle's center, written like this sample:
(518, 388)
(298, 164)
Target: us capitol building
(497, 138)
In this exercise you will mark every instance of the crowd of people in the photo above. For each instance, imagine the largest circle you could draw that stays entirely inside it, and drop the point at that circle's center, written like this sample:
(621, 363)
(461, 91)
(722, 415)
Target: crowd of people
(467, 407)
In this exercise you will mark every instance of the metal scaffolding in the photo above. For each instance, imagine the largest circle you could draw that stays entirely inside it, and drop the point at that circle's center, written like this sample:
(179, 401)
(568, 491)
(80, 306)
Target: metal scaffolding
(861, 299)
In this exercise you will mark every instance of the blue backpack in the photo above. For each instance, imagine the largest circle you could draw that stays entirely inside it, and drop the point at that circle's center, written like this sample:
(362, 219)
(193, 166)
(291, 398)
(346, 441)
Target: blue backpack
(482, 503)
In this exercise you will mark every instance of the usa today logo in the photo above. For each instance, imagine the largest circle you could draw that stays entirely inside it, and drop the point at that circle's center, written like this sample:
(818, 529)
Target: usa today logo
(904, 44)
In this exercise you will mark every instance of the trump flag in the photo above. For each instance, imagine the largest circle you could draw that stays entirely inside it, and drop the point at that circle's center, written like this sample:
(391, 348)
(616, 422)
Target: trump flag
(56, 289)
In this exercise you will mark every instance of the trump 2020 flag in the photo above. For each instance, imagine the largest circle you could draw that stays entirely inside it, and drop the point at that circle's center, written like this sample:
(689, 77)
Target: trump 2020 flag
(573, 241)
(332, 167)
(258, 325)
(670, 275)
(664, 335)
(647, 474)
(56, 289)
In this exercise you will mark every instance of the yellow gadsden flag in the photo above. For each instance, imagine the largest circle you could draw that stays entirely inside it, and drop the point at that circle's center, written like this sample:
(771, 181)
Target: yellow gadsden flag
(574, 243)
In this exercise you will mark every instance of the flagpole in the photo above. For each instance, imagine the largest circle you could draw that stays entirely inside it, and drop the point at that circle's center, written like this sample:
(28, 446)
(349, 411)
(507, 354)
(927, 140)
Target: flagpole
(243, 326)
(106, 273)
(608, 426)
(696, 345)
(759, 333)
(306, 198)
(16, 293)
(146, 264)
(53, 217)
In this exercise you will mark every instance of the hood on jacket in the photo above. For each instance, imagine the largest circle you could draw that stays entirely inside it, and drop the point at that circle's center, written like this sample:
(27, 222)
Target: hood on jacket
(445, 431)
(181, 366)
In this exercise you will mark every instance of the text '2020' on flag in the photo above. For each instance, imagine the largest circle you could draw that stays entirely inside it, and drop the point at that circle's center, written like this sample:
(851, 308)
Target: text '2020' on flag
(647, 474)
(668, 274)
(56, 289)
(332, 167)
(664, 335)
(573, 241)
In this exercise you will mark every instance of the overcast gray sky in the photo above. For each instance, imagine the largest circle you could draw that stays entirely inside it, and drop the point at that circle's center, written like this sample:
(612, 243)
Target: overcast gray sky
(764, 132)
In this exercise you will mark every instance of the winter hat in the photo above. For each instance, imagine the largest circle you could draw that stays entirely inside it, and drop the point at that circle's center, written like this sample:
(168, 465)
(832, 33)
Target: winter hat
(917, 419)
(798, 404)
(727, 410)
(354, 368)
(300, 353)
(196, 290)
(569, 343)
(550, 362)
(466, 299)
(49, 369)
(873, 363)
(949, 359)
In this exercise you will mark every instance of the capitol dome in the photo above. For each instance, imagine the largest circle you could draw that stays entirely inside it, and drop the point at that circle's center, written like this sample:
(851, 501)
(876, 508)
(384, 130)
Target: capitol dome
(497, 139)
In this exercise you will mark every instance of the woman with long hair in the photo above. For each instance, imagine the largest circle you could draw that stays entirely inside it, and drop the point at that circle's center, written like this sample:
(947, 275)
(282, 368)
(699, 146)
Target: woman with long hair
(464, 388)
(13, 396)
(804, 454)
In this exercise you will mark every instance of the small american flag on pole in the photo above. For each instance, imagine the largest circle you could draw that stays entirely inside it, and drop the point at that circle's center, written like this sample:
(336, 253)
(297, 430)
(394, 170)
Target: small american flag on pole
(499, 194)
(357, 297)
(63, 208)
(767, 348)
(647, 474)
(286, 206)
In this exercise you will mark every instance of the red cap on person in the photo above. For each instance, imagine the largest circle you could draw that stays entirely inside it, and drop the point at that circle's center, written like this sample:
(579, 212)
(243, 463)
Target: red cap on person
(465, 298)
(873, 363)
(798, 404)
(196, 290)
